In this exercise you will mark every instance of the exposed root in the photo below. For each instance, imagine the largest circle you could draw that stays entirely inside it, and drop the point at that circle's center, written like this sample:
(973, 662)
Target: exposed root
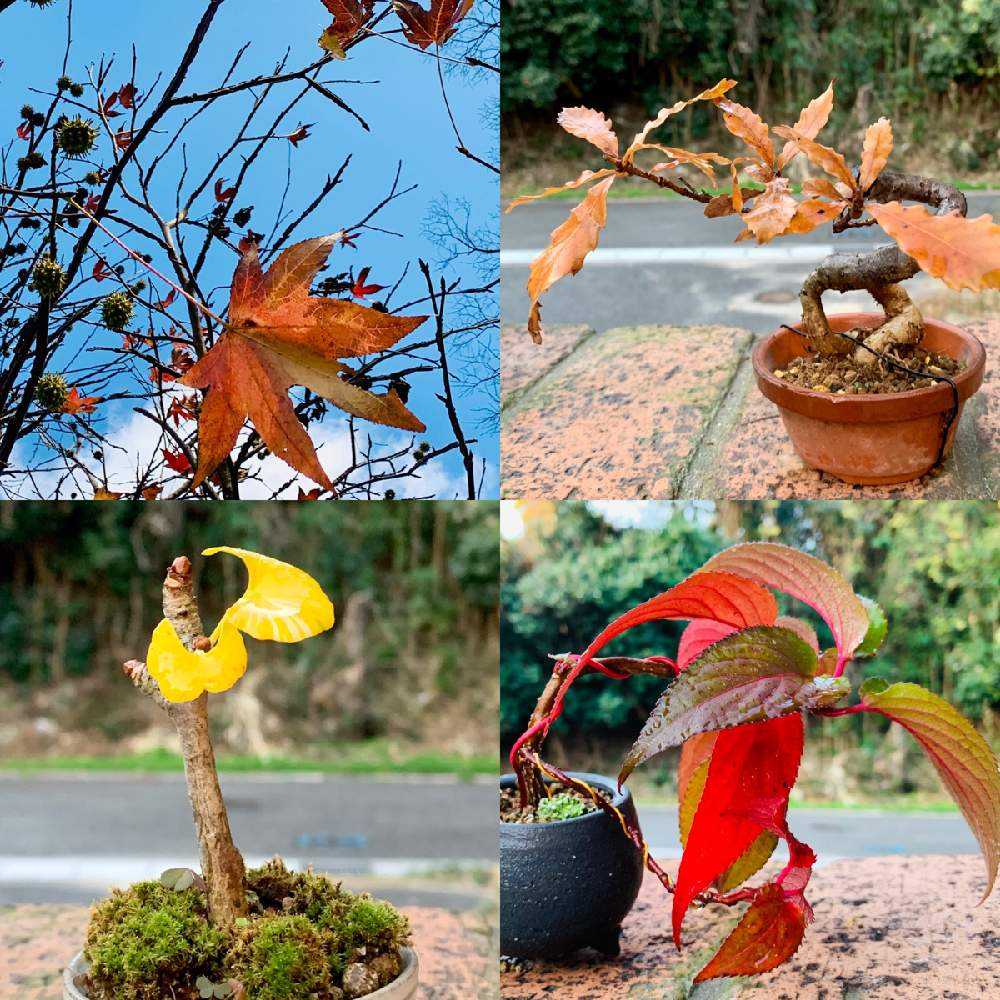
(903, 325)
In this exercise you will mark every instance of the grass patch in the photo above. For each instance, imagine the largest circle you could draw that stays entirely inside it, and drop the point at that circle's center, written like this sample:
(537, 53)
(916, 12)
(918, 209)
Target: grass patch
(368, 757)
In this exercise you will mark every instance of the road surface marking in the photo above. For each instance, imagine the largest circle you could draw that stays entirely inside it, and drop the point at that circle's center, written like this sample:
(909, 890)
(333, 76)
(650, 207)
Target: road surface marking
(625, 256)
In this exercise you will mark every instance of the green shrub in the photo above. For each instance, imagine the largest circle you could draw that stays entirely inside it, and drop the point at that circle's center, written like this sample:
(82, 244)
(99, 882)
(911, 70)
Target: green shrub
(561, 806)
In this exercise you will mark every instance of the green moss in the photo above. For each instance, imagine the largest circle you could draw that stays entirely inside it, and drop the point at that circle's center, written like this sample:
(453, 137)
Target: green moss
(144, 943)
(561, 806)
(365, 923)
(280, 958)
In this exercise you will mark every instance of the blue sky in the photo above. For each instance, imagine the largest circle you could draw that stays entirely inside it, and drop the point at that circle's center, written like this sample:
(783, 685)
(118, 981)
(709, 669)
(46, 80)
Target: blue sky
(408, 122)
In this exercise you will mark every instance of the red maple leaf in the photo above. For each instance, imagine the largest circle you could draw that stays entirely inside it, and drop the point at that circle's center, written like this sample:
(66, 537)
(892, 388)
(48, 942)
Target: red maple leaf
(105, 106)
(349, 16)
(177, 461)
(123, 139)
(168, 301)
(360, 290)
(182, 408)
(151, 492)
(348, 239)
(93, 204)
(222, 193)
(24, 130)
(278, 336)
(100, 270)
(75, 403)
(301, 133)
(425, 28)
(127, 96)
(313, 494)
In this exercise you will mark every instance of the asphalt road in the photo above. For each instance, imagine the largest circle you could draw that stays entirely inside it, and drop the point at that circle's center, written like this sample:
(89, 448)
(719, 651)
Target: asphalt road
(660, 261)
(840, 833)
(67, 839)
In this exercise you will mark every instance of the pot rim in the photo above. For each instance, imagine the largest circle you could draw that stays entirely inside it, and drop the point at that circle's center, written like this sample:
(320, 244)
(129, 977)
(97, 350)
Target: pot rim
(619, 798)
(869, 407)
(407, 977)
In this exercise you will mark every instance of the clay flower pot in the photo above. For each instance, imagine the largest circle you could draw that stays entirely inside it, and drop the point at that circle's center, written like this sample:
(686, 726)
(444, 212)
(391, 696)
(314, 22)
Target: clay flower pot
(567, 885)
(870, 439)
(404, 987)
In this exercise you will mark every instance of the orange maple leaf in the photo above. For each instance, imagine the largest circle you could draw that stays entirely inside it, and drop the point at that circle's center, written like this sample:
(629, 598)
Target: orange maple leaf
(278, 336)
(349, 17)
(425, 28)
(75, 403)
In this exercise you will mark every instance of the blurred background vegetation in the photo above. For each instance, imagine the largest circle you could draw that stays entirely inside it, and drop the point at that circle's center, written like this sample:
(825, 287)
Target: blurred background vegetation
(931, 66)
(407, 678)
(569, 568)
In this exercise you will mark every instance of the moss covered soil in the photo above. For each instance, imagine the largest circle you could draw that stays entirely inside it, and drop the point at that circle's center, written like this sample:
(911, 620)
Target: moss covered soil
(304, 937)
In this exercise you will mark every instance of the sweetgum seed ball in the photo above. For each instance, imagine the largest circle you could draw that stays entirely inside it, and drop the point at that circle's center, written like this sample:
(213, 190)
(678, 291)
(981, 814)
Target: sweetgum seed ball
(77, 136)
(116, 311)
(51, 392)
(47, 278)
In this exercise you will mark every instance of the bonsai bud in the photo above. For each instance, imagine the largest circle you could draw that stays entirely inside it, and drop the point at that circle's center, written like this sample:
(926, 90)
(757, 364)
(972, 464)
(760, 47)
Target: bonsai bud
(51, 392)
(47, 278)
(76, 136)
(116, 311)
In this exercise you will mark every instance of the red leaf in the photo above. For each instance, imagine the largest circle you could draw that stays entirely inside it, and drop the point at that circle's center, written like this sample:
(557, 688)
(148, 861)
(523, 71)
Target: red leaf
(349, 16)
(151, 492)
(75, 403)
(769, 933)
(360, 289)
(123, 139)
(24, 131)
(177, 461)
(168, 301)
(313, 494)
(805, 578)
(425, 28)
(749, 764)
(93, 204)
(697, 637)
(100, 270)
(301, 133)
(348, 239)
(127, 96)
(105, 106)
(222, 193)
(182, 408)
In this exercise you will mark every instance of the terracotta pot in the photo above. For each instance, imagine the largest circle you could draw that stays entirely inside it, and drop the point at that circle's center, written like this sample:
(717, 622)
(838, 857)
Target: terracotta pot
(569, 884)
(404, 987)
(873, 438)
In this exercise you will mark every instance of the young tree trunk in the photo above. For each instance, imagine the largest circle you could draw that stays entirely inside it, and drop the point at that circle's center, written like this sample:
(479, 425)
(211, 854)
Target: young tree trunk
(878, 272)
(221, 863)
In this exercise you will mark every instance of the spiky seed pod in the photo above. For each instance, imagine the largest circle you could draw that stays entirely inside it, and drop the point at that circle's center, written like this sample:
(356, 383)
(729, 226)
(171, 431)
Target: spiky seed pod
(138, 288)
(51, 392)
(77, 136)
(63, 83)
(31, 162)
(76, 90)
(91, 178)
(116, 311)
(27, 112)
(41, 3)
(47, 278)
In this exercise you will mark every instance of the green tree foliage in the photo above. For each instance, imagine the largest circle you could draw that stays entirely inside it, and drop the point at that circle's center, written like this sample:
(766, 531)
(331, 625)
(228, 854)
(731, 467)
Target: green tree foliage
(414, 583)
(783, 52)
(932, 567)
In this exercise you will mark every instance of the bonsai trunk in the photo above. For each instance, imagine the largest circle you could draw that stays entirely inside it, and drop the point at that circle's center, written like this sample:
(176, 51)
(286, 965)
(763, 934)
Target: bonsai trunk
(878, 272)
(221, 863)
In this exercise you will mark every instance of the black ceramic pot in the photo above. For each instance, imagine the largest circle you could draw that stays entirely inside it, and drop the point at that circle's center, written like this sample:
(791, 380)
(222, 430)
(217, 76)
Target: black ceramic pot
(567, 885)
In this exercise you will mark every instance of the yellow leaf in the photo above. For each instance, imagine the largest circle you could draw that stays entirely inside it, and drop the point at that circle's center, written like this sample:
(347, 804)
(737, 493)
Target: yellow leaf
(282, 602)
(182, 675)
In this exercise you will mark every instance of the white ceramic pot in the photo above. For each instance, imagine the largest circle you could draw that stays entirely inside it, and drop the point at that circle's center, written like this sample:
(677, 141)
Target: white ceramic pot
(404, 987)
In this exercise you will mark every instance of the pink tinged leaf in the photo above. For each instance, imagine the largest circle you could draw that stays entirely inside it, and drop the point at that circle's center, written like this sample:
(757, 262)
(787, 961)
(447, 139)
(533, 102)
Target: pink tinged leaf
(805, 578)
(769, 933)
(697, 637)
(963, 759)
(750, 676)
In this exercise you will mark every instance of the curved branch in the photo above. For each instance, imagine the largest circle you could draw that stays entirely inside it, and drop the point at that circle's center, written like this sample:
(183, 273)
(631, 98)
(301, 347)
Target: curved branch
(877, 269)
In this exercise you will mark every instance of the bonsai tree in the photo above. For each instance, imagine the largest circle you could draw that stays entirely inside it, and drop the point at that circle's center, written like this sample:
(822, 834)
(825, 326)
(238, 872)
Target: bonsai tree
(742, 683)
(266, 933)
(933, 235)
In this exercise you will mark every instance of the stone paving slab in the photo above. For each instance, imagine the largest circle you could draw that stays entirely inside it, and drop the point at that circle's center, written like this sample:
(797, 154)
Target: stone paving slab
(621, 415)
(581, 421)
(457, 952)
(885, 928)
